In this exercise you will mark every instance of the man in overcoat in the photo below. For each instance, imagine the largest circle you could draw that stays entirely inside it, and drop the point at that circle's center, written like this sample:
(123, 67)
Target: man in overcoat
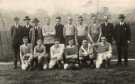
(16, 36)
(35, 32)
(27, 27)
(122, 34)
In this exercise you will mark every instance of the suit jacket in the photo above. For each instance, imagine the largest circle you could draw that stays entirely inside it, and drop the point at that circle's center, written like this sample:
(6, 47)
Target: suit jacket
(59, 32)
(122, 33)
(16, 35)
(26, 30)
(107, 31)
(33, 36)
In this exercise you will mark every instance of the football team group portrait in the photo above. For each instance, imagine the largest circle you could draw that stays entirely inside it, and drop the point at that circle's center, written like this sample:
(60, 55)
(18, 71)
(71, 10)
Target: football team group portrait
(69, 45)
(67, 42)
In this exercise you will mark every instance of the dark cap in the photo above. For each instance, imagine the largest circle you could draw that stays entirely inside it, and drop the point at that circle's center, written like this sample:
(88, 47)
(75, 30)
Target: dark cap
(35, 20)
(27, 18)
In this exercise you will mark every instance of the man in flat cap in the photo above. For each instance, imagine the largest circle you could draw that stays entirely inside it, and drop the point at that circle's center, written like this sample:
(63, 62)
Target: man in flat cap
(35, 32)
(122, 35)
(107, 29)
(27, 27)
(16, 35)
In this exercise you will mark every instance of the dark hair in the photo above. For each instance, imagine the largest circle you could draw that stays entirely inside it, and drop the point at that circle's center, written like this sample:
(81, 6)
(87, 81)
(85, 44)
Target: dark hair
(39, 39)
(25, 37)
(58, 17)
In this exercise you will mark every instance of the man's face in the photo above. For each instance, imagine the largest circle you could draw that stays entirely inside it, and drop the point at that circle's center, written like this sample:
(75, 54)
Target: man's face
(84, 42)
(105, 18)
(80, 20)
(70, 21)
(103, 39)
(17, 21)
(25, 40)
(121, 19)
(35, 24)
(57, 43)
(71, 42)
(58, 21)
(27, 21)
(94, 19)
(39, 42)
(47, 21)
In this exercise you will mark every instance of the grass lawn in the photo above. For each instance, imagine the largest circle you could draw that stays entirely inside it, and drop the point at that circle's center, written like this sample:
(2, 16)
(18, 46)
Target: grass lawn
(113, 75)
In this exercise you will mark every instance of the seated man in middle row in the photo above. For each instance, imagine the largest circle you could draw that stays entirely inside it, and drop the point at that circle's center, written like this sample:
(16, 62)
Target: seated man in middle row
(26, 54)
(56, 55)
(86, 53)
(40, 55)
(71, 55)
(104, 53)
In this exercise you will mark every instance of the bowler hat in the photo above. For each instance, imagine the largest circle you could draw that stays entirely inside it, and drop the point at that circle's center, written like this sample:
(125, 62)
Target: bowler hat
(27, 18)
(121, 16)
(35, 20)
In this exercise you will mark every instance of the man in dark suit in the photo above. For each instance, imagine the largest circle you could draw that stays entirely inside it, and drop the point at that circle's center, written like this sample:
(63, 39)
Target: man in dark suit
(27, 27)
(107, 29)
(59, 30)
(16, 35)
(35, 32)
(122, 35)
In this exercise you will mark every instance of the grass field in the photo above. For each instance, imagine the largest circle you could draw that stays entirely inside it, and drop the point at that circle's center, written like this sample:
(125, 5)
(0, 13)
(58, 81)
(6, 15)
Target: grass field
(113, 75)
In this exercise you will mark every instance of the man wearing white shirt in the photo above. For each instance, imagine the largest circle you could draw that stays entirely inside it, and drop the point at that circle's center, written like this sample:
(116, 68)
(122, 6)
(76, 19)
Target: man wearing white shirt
(56, 53)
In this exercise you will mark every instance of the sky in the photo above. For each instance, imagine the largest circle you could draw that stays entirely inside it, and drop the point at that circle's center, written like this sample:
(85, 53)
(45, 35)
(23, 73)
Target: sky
(74, 6)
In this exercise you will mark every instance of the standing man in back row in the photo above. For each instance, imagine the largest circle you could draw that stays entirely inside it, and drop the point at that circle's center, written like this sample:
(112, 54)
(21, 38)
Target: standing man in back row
(27, 27)
(94, 30)
(81, 30)
(122, 35)
(35, 32)
(69, 31)
(59, 30)
(107, 29)
(16, 35)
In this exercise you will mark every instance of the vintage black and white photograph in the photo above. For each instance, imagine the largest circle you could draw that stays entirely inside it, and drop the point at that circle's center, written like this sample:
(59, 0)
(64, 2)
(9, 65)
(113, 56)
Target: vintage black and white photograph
(67, 42)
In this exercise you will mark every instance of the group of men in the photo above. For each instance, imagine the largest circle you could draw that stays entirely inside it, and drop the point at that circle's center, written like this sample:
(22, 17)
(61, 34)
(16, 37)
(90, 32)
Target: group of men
(69, 45)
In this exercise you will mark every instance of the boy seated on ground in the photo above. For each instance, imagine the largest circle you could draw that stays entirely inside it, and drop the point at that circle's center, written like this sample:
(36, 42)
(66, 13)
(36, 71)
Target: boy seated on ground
(104, 53)
(26, 54)
(71, 55)
(56, 55)
(86, 55)
(40, 55)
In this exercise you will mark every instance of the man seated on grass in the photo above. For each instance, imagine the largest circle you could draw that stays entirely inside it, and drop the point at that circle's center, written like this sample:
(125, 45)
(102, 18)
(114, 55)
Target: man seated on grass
(86, 55)
(26, 54)
(56, 52)
(71, 55)
(40, 55)
(104, 52)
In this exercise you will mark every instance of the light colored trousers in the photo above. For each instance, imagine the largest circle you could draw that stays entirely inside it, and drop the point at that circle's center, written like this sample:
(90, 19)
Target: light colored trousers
(54, 61)
(101, 57)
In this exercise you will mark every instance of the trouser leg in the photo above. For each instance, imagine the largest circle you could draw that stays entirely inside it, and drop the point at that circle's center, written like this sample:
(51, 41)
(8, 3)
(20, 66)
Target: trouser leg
(125, 54)
(52, 63)
(99, 61)
(119, 50)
